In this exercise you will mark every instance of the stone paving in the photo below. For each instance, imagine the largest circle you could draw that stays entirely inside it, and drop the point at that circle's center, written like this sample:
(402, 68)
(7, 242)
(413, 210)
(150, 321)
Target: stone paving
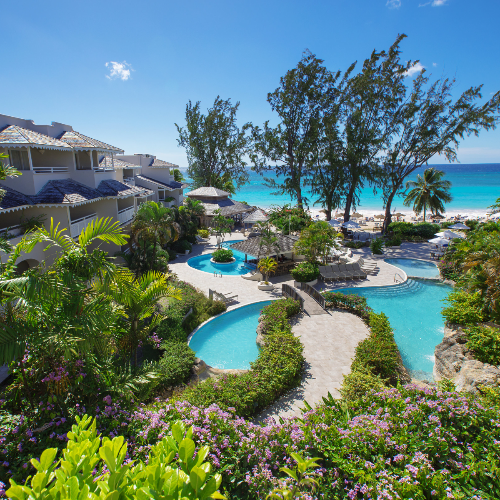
(329, 339)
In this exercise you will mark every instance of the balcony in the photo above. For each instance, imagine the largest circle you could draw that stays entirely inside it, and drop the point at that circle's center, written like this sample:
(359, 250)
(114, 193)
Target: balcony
(130, 181)
(125, 215)
(78, 225)
(12, 232)
(103, 169)
(50, 170)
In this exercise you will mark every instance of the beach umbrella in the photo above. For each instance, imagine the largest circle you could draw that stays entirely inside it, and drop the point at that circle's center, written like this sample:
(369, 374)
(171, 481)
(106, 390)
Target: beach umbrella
(459, 226)
(356, 215)
(440, 241)
(449, 235)
(334, 223)
(257, 216)
(380, 216)
(351, 224)
(398, 214)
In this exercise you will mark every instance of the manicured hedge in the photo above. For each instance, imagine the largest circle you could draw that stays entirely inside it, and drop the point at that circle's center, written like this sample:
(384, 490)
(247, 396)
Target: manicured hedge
(222, 255)
(406, 230)
(175, 364)
(276, 370)
(305, 271)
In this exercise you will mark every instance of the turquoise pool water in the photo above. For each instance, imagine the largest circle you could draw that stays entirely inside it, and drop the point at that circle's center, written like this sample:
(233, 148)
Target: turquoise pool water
(415, 267)
(229, 341)
(238, 267)
(414, 310)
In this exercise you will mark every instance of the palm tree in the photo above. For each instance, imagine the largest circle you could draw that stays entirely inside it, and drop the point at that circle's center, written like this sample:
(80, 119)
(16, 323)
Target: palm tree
(137, 298)
(155, 224)
(428, 192)
(266, 266)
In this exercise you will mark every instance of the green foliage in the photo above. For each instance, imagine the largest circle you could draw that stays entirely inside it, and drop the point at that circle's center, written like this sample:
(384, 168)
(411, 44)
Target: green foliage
(395, 241)
(409, 231)
(175, 364)
(305, 271)
(316, 241)
(222, 255)
(215, 145)
(355, 244)
(267, 266)
(277, 313)
(276, 370)
(203, 233)
(429, 192)
(172, 470)
(288, 219)
(181, 246)
(376, 246)
(178, 177)
(31, 223)
(359, 383)
(172, 254)
(221, 225)
(464, 309)
(484, 342)
(356, 304)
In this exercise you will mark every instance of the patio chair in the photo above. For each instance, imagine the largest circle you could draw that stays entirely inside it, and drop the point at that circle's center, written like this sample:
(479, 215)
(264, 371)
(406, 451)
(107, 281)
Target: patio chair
(227, 298)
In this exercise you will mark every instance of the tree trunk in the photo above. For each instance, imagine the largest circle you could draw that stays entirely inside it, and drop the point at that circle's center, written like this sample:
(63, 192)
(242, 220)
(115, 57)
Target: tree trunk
(425, 207)
(348, 202)
(388, 217)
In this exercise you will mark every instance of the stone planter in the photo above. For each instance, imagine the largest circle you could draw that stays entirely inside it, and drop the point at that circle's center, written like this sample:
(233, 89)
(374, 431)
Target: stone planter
(298, 284)
(223, 263)
(262, 286)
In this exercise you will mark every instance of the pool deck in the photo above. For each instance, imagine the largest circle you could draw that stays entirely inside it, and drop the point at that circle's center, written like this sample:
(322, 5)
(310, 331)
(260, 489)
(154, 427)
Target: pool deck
(329, 339)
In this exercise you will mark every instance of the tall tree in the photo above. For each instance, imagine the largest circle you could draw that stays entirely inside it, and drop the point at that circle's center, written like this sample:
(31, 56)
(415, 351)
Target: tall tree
(362, 121)
(429, 123)
(428, 192)
(214, 144)
(290, 148)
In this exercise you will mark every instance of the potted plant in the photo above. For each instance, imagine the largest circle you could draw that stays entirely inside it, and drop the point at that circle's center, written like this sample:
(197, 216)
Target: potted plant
(305, 272)
(266, 266)
(222, 256)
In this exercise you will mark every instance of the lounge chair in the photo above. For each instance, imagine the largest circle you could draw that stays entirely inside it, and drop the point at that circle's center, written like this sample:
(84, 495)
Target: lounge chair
(344, 272)
(326, 273)
(199, 239)
(357, 271)
(227, 298)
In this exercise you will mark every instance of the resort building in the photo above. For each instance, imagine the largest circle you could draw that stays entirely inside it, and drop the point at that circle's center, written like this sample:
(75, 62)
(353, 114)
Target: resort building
(73, 179)
(217, 199)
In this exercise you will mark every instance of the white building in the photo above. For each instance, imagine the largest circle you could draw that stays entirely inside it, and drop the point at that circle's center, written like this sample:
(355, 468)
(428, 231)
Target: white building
(73, 179)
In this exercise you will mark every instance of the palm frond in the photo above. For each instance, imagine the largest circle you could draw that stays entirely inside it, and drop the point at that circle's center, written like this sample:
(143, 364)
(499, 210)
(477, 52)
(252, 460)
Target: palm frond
(104, 230)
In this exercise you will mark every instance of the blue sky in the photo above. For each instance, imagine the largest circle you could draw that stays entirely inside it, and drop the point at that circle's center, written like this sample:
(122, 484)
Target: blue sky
(165, 53)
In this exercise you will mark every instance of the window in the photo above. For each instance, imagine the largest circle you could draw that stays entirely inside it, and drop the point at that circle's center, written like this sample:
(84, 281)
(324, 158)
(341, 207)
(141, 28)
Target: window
(161, 194)
(19, 159)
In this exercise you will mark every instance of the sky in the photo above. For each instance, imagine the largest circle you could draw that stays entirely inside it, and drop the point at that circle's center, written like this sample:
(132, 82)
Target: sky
(123, 71)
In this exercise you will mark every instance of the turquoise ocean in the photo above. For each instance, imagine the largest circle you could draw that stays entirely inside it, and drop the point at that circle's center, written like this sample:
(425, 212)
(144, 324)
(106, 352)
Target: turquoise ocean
(474, 188)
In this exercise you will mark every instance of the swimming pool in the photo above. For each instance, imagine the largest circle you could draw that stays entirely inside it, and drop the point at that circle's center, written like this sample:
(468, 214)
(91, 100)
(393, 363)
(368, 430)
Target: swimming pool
(414, 311)
(238, 267)
(229, 340)
(415, 268)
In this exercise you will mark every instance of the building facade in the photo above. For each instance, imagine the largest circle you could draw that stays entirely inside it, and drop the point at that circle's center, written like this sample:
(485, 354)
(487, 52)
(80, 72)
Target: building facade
(73, 179)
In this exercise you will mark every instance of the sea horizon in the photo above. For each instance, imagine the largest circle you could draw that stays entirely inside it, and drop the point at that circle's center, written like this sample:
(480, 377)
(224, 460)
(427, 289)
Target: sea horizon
(474, 187)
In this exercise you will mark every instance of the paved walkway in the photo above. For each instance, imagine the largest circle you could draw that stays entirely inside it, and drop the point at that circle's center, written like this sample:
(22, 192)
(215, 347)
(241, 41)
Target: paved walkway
(329, 338)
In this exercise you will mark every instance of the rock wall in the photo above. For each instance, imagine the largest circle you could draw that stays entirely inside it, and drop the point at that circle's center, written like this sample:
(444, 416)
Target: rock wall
(455, 362)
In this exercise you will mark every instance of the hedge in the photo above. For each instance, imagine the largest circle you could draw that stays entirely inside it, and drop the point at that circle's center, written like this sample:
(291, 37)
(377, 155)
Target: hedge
(276, 370)
(175, 364)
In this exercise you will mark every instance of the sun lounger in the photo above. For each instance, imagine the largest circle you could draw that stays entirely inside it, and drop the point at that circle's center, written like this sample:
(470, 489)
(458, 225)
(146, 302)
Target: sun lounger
(199, 239)
(327, 274)
(227, 298)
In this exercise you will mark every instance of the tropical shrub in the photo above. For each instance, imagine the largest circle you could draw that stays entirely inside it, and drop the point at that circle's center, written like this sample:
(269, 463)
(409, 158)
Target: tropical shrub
(277, 314)
(305, 271)
(359, 383)
(376, 246)
(464, 309)
(222, 255)
(355, 244)
(289, 219)
(175, 365)
(203, 233)
(174, 469)
(351, 302)
(172, 254)
(407, 230)
(484, 342)
(267, 266)
(394, 241)
(181, 246)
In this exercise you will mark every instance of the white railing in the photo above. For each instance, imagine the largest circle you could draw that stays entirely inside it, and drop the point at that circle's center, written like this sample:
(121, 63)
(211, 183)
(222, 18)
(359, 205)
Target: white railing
(12, 231)
(129, 180)
(103, 169)
(125, 215)
(50, 170)
(78, 225)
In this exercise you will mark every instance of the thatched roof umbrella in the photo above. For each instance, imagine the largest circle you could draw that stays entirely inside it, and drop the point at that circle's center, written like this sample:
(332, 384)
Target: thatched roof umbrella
(380, 216)
(253, 247)
(257, 216)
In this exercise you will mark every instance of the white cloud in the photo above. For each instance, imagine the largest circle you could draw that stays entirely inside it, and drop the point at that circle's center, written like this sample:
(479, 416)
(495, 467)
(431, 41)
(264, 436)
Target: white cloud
(393, 4)
(118, 70)
(438, 3)
(416, 68)
(435, 64)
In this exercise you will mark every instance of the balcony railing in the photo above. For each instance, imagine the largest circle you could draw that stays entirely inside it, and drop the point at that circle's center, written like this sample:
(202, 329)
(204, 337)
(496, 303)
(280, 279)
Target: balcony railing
(103, 169)
(129, 180)
(125, 215)
(50, 170)
(78, 225)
